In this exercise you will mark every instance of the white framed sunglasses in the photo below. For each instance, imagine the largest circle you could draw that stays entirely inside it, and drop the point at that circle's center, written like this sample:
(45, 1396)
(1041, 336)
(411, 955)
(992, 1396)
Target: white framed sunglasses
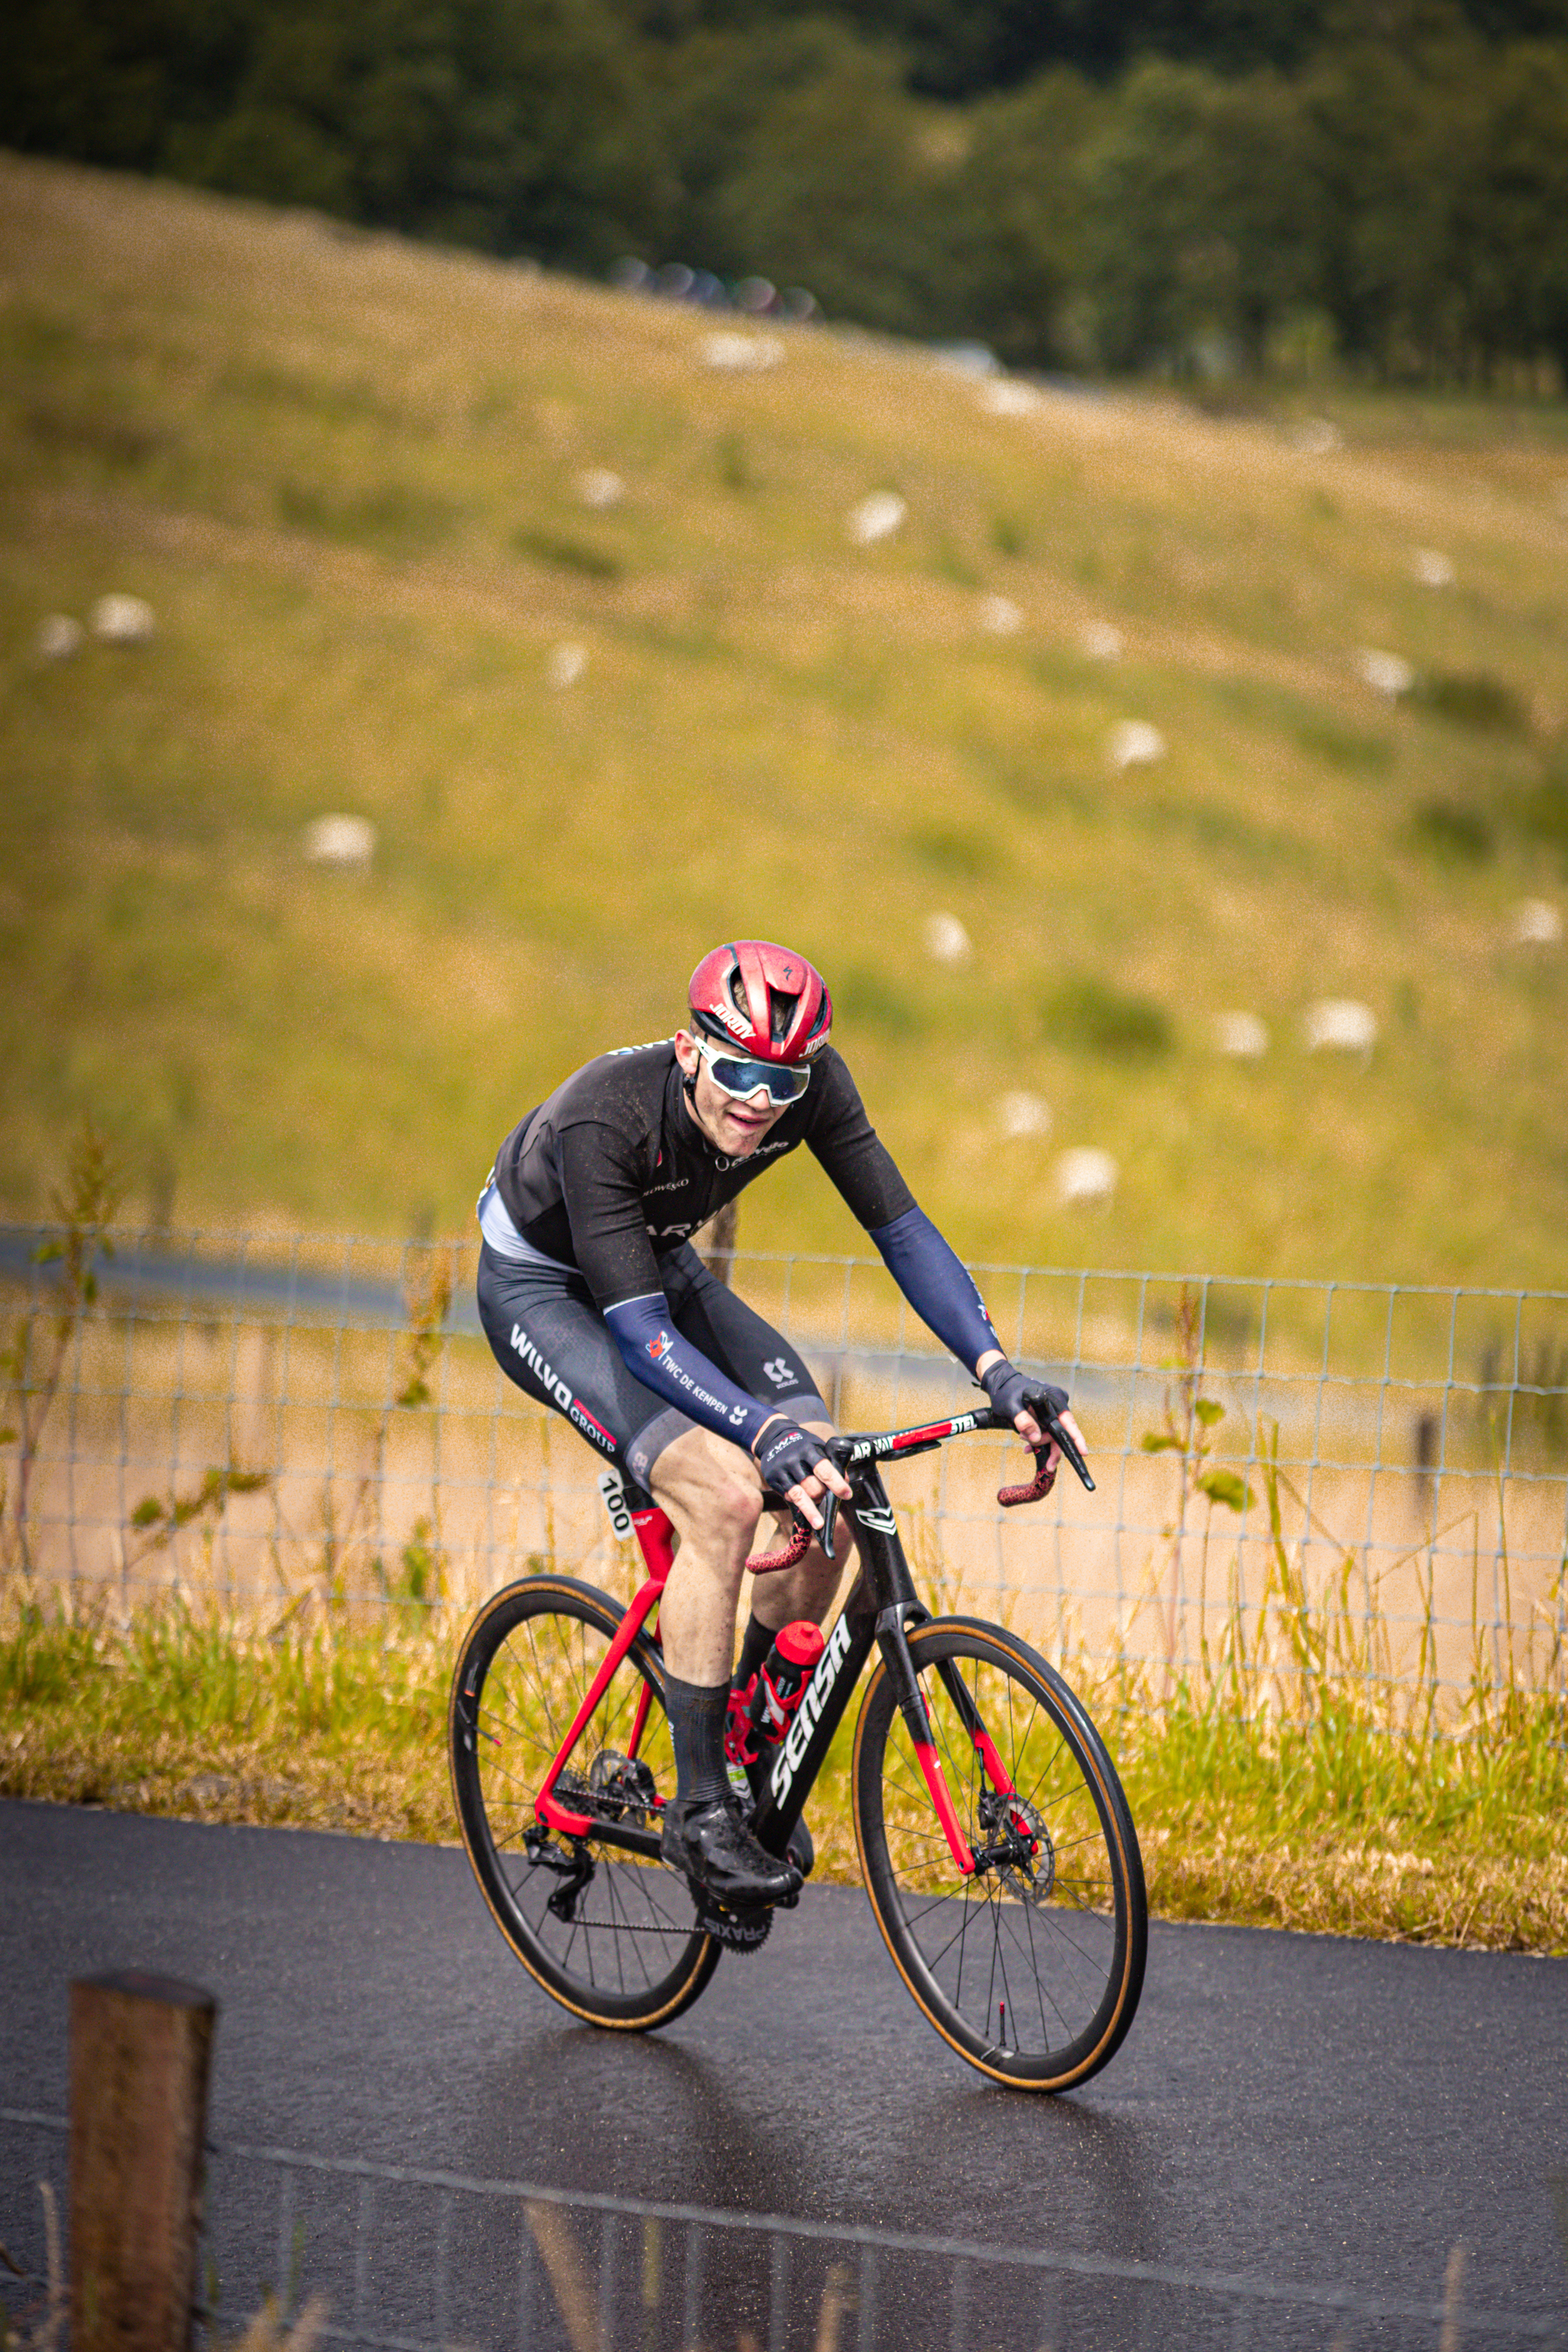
(739, 1075)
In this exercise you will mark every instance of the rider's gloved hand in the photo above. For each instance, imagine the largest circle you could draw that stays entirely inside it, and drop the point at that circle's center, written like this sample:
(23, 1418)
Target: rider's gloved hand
(787, 1455)
(1012, 1392)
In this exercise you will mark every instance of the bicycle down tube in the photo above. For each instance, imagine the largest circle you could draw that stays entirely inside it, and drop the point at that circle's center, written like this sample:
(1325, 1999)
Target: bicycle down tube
(880, 1604)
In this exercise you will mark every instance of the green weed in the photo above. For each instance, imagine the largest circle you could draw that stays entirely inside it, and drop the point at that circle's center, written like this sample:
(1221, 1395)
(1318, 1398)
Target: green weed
(1473, 698)
(395, 513)
(952, 849)
(1088, 1016)
(1449, 830)
(567, 554)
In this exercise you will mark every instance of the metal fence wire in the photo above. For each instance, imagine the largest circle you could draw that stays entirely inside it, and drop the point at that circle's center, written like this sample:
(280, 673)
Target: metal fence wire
(262, 1420)
(403, 2260)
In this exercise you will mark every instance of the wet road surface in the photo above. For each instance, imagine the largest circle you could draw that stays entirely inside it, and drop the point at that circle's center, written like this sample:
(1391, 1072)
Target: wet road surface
(1289, 2107)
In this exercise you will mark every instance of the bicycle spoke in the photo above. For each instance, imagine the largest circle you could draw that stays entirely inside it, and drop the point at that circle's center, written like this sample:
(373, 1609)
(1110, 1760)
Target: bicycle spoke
(626, 1950)
(1021, 1955)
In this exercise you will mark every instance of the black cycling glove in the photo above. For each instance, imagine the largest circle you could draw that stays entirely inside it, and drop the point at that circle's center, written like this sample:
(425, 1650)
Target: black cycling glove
(1012, 1392)
(787, 1455)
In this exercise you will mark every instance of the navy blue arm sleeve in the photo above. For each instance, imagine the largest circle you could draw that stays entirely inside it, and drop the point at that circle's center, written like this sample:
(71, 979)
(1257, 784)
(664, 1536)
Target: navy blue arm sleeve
(933, 1278)
(656, 1354)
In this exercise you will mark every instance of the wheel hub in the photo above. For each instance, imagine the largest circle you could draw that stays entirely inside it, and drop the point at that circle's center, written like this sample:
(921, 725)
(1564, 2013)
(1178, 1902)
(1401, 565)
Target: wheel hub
(1018, 1848)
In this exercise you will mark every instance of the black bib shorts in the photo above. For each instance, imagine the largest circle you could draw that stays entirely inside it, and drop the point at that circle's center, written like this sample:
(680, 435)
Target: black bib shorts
(548, 1337)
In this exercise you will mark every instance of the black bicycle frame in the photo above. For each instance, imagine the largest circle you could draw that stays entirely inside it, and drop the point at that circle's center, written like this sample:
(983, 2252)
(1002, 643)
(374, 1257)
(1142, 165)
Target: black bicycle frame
(880, 1604)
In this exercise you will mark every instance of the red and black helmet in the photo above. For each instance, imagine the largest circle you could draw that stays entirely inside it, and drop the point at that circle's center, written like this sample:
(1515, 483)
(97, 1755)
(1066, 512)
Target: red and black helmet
(765, 1001)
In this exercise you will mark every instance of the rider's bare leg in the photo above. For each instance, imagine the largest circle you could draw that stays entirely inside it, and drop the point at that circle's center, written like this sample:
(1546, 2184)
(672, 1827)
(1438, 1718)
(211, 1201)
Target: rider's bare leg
(713, 1494)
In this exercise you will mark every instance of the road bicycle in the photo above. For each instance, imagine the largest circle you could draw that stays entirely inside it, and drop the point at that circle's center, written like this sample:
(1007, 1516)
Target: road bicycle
(994, 1840)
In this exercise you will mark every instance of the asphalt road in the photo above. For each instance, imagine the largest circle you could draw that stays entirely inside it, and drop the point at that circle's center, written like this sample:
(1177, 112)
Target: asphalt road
(1288, 2108)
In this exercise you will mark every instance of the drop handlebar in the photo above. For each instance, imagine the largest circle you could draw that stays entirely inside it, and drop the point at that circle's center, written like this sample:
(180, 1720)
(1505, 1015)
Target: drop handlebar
(893, 1444)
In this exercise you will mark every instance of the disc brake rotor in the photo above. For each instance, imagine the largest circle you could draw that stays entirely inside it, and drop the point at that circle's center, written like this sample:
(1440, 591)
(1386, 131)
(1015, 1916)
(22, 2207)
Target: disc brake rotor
(1023, 1857)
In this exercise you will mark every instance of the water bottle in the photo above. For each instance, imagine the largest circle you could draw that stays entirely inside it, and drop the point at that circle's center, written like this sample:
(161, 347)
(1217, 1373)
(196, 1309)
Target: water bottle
(785, 1671)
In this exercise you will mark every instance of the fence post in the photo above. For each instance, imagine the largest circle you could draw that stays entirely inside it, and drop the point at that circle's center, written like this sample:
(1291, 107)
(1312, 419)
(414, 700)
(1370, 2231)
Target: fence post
(715, 1244)
(140, 2051)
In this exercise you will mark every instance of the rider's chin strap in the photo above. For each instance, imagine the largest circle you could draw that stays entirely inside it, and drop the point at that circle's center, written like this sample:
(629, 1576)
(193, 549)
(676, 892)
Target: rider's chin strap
(688, 1089)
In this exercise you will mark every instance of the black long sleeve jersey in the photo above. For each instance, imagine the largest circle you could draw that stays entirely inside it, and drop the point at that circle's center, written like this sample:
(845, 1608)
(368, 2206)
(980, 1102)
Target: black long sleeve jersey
(612, 1173)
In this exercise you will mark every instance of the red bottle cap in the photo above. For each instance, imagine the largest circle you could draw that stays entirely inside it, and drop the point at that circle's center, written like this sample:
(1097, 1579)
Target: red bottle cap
(800, 1643)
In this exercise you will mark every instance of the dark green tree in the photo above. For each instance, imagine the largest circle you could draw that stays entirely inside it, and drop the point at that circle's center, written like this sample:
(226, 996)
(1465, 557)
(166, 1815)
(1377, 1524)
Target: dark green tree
(835, 193)
(1013, 218)
(1199, 225)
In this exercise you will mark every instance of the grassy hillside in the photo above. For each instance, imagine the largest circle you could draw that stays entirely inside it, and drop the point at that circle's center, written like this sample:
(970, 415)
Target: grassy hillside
(343, 470)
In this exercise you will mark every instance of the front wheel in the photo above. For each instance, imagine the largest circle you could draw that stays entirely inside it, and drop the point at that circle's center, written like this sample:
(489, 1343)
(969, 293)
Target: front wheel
(1032, 1964)
(613, 1935)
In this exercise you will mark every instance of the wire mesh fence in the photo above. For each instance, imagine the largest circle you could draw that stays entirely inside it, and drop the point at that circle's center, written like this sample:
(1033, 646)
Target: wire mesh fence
(405, 2260)
(1372, 1479)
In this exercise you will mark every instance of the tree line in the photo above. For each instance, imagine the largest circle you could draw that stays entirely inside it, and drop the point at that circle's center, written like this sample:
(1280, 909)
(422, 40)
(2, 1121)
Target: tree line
(1230, 184)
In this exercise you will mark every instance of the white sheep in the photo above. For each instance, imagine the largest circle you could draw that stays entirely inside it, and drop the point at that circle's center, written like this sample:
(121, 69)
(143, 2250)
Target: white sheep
(878, 517)
(1000, 616)
(1135, 744)
(1021, 1114)
(1085, 1173)
(598, 488)
(946, 939)
(59, 638)
(1101, 642)
(122, 620)
(1386, 674)
(341, 841)
(1241, 1035)
(1537, 924)
(1431, 569)
(1339, 1025)
(739, 353)
(564, 665)
(1007, 397)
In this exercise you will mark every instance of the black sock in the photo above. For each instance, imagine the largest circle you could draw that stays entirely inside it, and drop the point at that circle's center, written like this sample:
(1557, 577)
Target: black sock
(755, 1642)
(696, 1714)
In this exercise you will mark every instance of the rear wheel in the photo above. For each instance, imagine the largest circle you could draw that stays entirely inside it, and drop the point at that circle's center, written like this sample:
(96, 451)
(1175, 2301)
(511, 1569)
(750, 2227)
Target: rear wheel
(611, 1934)
(1031, 1966)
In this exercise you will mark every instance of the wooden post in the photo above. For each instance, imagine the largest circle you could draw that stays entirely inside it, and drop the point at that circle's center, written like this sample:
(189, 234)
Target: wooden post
(715, 1244)
(140, 2051)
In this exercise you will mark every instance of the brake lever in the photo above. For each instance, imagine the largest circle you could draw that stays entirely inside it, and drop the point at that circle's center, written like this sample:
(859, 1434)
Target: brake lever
(1058, 1436)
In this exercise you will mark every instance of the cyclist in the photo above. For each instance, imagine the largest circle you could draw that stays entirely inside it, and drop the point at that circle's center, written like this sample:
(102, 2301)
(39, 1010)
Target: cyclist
(596, 1304)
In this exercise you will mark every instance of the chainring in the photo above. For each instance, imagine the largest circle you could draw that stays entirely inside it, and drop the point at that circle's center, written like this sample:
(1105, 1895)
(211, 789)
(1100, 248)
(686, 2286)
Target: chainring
(737, 1931)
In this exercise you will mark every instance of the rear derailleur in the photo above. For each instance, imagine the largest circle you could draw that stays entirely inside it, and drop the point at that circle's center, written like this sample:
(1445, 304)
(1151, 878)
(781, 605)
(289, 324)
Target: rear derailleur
(572, 1865)
(617, 1788)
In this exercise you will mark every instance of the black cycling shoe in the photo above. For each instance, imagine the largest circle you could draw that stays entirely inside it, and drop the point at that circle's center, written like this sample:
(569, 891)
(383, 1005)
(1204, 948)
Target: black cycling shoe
(712, 1845)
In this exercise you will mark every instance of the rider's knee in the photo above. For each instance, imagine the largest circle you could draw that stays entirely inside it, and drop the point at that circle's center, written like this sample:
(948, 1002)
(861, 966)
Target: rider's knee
(710, 1486)
(732, 1506)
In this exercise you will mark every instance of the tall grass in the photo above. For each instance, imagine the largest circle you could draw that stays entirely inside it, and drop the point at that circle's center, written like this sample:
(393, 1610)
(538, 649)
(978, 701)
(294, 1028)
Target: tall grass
(1283, 1782)
(1293, 1770)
